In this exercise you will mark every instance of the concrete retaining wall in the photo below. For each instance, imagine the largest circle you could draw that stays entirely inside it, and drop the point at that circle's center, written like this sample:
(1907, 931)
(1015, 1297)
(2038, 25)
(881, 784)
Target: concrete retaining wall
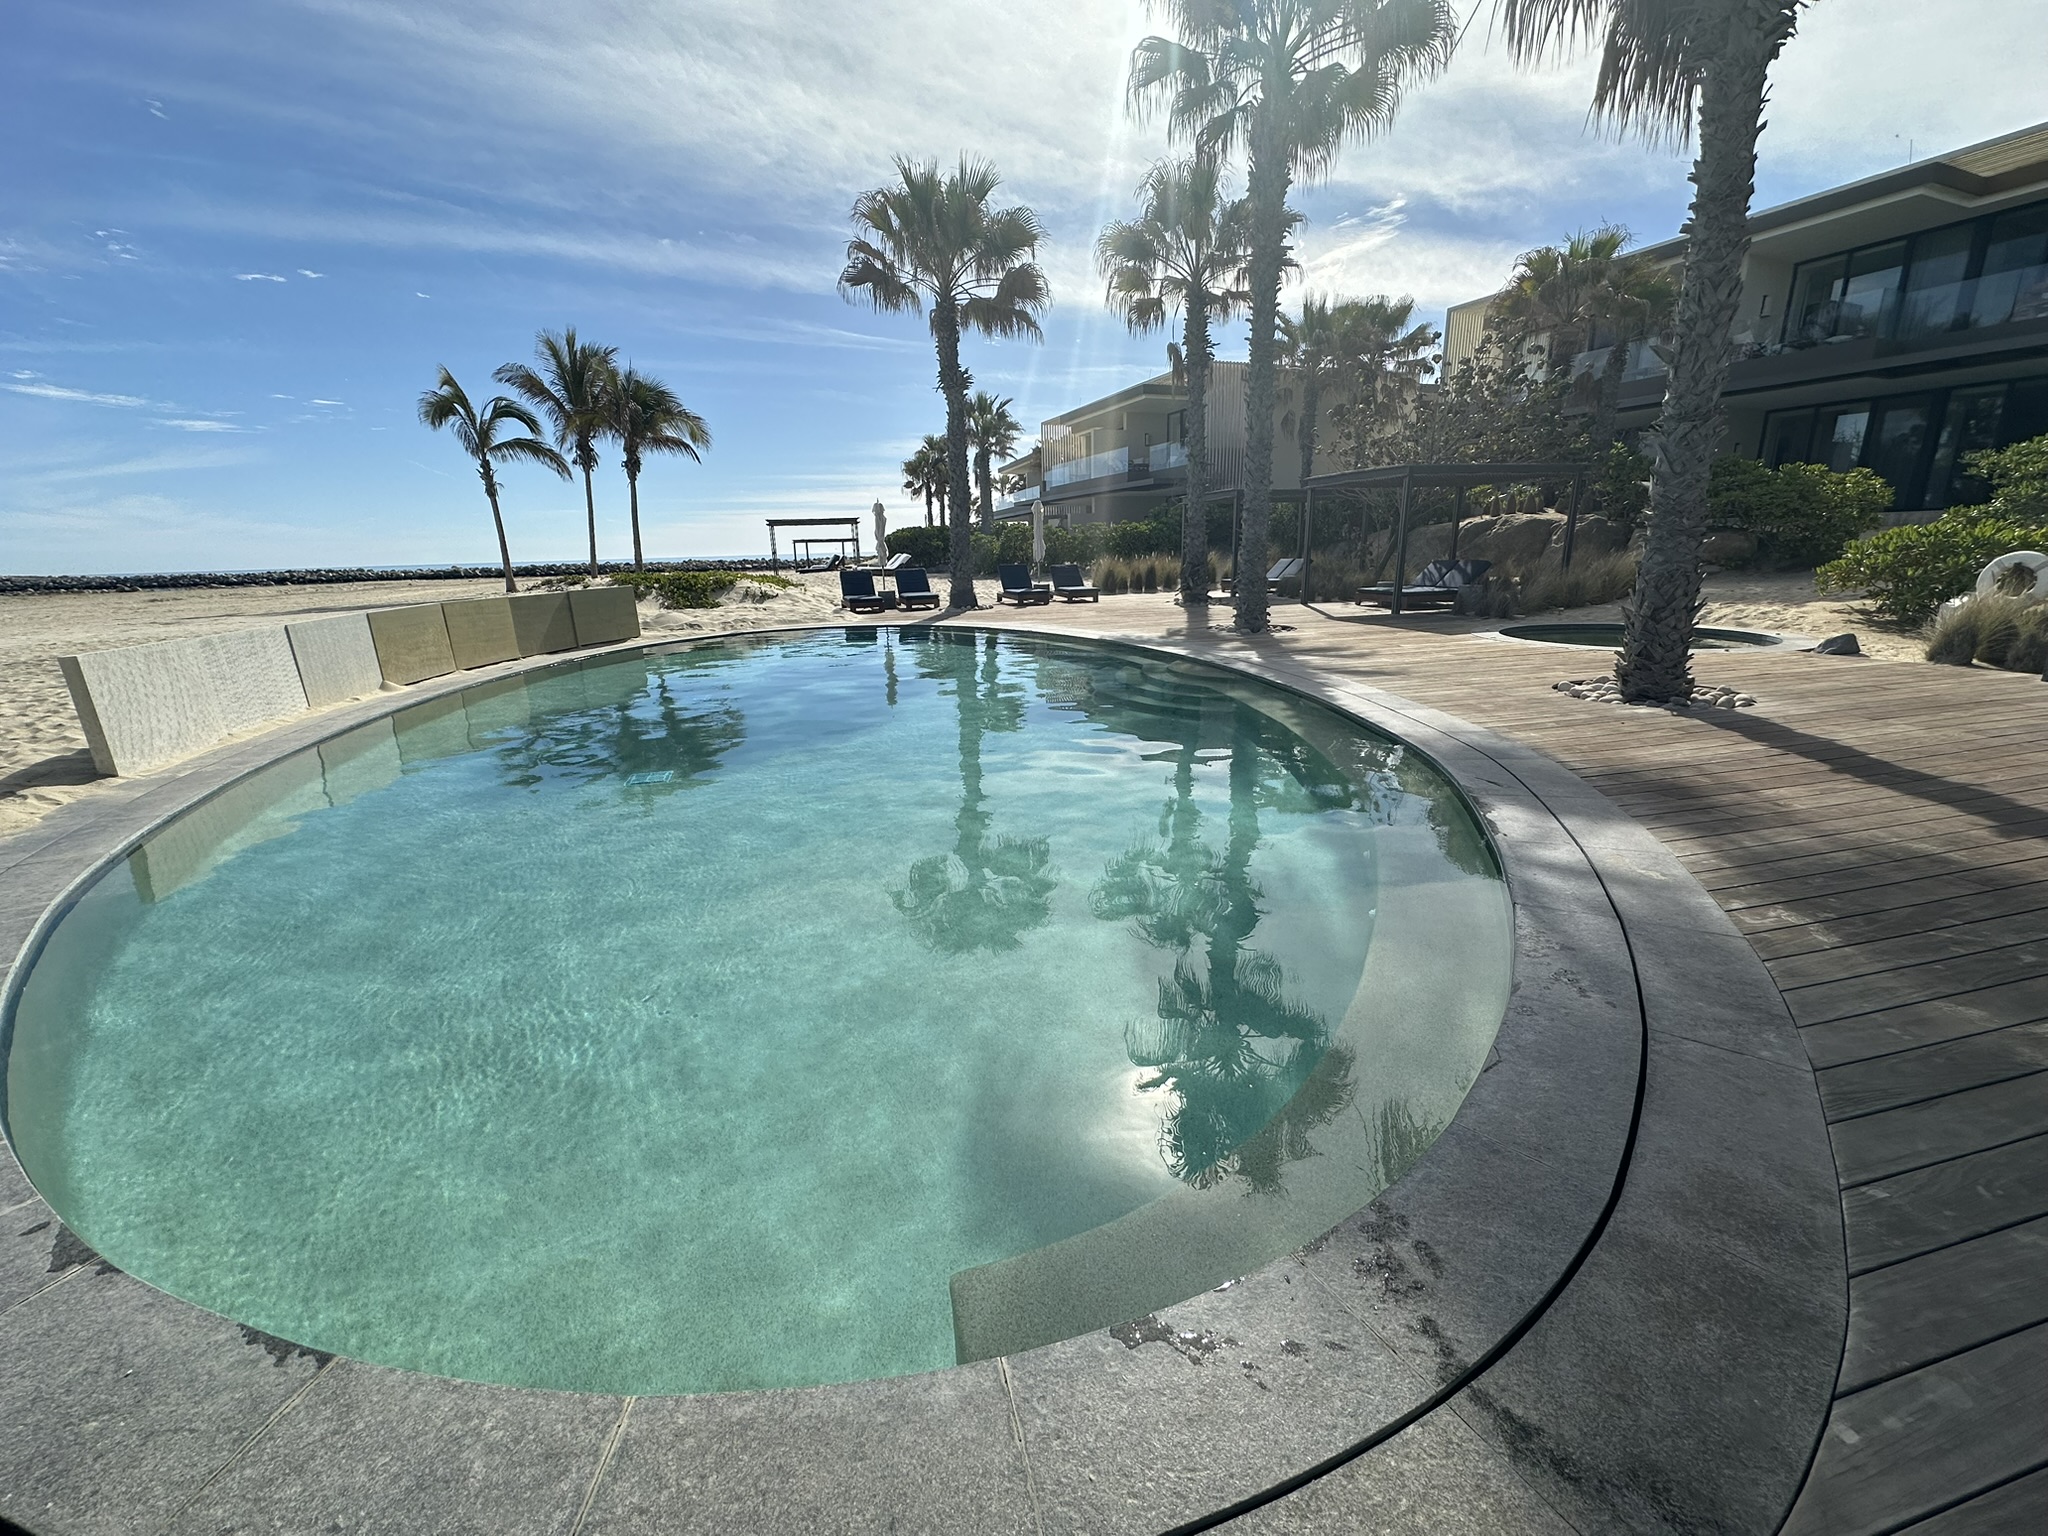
(145, 707)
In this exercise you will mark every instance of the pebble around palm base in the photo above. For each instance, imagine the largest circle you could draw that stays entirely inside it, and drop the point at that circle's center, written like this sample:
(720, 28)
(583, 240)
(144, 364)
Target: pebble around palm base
(1605, 690)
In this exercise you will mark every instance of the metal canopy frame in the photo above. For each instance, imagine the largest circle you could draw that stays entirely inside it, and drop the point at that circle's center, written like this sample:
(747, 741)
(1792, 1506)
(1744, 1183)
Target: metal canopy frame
(795, 560)
(1408, 478)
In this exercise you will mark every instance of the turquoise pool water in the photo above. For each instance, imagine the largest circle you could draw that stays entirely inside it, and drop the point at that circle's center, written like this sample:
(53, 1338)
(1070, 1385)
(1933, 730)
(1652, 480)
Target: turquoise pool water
(764, 1012)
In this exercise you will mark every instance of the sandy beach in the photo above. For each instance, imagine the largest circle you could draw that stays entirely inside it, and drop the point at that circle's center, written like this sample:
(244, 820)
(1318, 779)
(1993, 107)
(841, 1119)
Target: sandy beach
(44, 762)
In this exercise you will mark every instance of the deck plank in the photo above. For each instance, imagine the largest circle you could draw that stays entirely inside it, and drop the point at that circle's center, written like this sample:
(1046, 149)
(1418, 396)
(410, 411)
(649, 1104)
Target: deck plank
(1915, 1213)
(1942, 1303)
(1933, 1071)
(1922, 1134)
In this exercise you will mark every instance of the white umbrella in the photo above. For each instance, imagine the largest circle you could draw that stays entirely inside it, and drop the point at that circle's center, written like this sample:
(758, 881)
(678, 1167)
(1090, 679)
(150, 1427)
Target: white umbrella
(1038, 533)
(881, 535)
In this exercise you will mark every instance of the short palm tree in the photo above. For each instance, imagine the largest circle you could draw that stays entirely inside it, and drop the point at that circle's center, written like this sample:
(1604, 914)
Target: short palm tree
(447, 405)
(993, 429)
(1308, 353)
(924, 472)
(1553, 300)
(572, 388)
(1383, 354)
(1185, 251)
(933, 241)
(1664, 63)
(647, 417)
(1291, 82)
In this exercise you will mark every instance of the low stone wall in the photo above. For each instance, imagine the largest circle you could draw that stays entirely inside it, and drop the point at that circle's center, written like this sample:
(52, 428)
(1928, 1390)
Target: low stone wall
(145, 707)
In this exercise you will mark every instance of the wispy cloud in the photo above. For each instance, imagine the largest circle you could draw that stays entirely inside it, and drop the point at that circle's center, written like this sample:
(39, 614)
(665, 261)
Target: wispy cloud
(303, 272)
(258, 277)
(327, 402)
(200, 424)
(156, 108)
(86, 397)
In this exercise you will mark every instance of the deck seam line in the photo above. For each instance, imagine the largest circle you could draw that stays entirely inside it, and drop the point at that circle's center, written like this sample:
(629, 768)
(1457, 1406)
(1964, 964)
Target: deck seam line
(1954, 1242)
(1935, 1098)
(1938, 997)
(249, 1444)
(1934, 1360)
(604, 1462)
(42, 1289)
(1993, 1146)
(1989, 1488)
(1023, 1446)
(1916, 965)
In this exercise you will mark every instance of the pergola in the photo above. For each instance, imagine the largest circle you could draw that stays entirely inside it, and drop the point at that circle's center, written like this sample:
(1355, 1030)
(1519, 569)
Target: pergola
(1409, 478)
(799, 547)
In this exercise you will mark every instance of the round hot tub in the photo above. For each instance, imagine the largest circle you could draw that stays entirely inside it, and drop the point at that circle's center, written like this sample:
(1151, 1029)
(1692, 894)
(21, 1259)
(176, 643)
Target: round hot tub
(764, 1012)
(1608, 637)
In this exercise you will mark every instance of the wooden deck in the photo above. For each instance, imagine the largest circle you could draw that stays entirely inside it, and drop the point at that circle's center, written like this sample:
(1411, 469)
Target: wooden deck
(1879, 830)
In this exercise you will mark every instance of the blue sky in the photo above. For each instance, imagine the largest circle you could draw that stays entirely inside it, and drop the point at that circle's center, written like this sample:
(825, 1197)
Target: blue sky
(238, 236)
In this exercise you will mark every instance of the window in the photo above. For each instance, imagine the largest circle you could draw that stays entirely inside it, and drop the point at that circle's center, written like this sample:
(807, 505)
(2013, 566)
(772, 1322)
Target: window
(1788, 438)
(1898, 446)
(1970, 423)
(2015, 281)
(1839, 442)
(1816, 298)
(1936, 297)
(1870, 293)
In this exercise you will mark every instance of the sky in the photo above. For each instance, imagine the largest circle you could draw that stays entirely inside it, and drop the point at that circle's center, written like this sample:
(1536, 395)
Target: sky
(237, 238)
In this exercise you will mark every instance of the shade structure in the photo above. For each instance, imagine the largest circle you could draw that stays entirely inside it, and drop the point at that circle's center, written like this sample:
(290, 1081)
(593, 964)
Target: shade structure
(881, 534)
(1037, 534)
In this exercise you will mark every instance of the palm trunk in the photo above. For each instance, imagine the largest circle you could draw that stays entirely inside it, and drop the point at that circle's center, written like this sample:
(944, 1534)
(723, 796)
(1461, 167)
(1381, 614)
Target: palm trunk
(1607, 403)
(1194, 520)
(1656, 653)
(1311, 402)
(589, 510)
(633, 494)
(953, 383)
(498, 522)
(1267, 180)
(984, 481)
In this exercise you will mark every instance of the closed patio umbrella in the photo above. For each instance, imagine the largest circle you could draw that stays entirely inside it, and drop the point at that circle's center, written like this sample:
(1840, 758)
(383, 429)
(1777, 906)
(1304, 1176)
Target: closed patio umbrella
(1037, 534)
(881, 535)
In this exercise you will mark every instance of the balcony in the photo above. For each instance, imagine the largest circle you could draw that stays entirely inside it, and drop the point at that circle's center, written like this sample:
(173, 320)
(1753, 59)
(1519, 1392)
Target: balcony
(1168, 456)
(1117, 461)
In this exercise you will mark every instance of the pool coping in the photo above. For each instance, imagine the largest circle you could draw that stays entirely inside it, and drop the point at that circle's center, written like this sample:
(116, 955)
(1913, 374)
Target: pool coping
(1458, 1302)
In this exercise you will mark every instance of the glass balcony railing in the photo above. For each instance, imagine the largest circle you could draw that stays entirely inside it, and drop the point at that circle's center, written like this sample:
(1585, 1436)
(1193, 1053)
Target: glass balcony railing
(1115, 462)
(1168, 456)
(1920, 314)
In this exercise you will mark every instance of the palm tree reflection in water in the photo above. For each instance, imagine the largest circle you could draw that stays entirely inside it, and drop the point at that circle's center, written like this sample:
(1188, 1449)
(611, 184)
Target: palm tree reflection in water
(985, 894)
(1251, 1069)
(657, 732)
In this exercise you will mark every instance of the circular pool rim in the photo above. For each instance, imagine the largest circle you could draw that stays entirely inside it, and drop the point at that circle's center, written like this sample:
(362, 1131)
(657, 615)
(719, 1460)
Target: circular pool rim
(1568, 1062)
(1746, 640)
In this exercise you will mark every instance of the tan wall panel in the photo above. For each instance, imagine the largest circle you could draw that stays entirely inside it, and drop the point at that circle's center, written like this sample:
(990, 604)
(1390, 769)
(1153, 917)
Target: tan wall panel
(412, 642)
(541, 623)
(480, 631)
(146, 706)
(337, 658)
(604, 615)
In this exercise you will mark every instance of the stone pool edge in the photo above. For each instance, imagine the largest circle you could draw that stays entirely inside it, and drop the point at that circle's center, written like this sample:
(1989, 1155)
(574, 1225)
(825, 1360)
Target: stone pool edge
(1117, 1429)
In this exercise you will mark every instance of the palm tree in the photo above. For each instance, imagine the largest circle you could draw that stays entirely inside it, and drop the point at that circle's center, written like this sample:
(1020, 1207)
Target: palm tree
(447, 405)
(1639, 301)
(1553, 300)
(573, 390)
(924, 472)
(647, 417)
(1664, 63)
(1186, 250)
(1292, 81)
(992, 429)
(1308, 351)
(932, 240)
(1383, 354)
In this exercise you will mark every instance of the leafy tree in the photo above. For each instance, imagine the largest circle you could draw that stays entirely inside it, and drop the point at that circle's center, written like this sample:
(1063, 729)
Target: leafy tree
(447, 405)
(993, 429)
(573, 389)
(1663, 64)
(1291, 82)
(1186, 250)
(647, 417)
(1802, 514)
(933, 241)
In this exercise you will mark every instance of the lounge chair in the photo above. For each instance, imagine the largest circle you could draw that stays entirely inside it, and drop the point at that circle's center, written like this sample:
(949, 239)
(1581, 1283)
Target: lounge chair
(857, 592)
(896, 562)
(1283, 572)
(1435, 586)
(914, 588)
(1017, 586)
(1067, 583)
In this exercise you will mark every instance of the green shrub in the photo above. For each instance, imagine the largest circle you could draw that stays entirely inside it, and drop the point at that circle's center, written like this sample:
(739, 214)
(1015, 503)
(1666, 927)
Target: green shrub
(2019, 480)
(1954, 641)
(1155, 534)
(688, 589)
(931, 548)
(1801, 514)
(1075, 546)
(1906, 573)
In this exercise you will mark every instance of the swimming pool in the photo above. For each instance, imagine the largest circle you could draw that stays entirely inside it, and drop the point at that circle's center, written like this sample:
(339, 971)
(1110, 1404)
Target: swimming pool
(764, 1012)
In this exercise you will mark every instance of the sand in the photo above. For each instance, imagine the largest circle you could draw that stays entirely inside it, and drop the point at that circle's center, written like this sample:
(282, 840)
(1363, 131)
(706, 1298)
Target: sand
(44, 762)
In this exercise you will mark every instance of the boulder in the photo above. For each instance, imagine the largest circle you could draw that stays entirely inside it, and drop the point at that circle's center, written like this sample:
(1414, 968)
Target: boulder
(1838, 645)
